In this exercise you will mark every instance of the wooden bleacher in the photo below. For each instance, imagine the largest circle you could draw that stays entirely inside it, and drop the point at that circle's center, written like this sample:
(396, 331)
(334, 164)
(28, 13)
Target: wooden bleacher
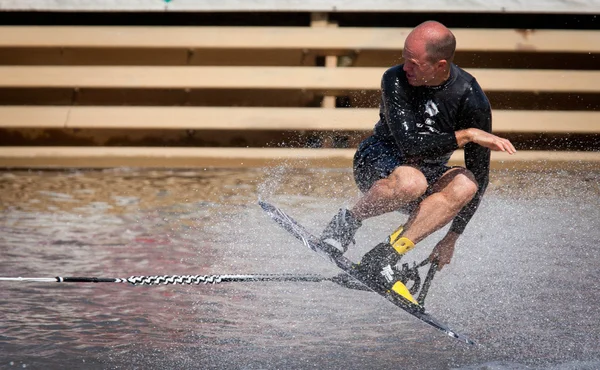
(326, 40)
(257, 118)
(88, 85)
(324, 80)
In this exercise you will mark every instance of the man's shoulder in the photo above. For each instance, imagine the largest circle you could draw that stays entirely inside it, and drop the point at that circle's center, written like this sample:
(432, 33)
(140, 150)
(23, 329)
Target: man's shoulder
(462, 75)
(394, 71)
(395, 77)
(467, 84)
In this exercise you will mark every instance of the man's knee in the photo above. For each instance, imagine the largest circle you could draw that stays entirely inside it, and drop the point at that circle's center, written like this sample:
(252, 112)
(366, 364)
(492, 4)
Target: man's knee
(408, 183)
(463, 185)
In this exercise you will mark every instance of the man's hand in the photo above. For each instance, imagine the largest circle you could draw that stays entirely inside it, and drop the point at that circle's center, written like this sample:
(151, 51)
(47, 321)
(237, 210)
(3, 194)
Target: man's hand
(485, 139)
(444, 250)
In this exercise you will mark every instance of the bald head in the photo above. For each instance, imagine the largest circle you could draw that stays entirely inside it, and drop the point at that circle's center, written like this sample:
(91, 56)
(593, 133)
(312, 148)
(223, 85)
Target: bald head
(438, 40)
(428, 52)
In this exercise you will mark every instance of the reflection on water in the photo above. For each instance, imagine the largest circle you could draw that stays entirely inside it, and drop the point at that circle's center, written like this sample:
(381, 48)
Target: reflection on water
(524, 282)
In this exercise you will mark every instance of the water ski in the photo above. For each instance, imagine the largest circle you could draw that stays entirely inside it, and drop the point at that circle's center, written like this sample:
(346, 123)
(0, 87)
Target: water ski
(399, 294)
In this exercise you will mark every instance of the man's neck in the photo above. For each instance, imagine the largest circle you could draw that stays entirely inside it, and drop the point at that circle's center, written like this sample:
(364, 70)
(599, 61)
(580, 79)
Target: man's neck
(439, 81)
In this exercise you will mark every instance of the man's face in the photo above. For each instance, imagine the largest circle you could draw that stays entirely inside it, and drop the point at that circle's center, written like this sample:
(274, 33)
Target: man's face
(419, 70)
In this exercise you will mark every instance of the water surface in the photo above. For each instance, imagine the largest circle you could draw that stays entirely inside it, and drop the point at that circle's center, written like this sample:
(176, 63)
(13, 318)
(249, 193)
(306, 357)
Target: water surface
(524, 282)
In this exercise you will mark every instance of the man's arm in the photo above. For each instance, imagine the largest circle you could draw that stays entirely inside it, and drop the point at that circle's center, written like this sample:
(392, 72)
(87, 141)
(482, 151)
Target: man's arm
(477, 144)
(477, 160)
(484, 139)
(477, 141)
(402, 123)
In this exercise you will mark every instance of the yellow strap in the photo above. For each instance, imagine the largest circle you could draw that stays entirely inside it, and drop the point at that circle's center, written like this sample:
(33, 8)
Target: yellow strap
(402, 290)
(401, 244)
(396, 234)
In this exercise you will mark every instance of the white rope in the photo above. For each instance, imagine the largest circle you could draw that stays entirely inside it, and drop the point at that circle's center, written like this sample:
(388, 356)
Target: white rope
(173, 279)
(39, 280)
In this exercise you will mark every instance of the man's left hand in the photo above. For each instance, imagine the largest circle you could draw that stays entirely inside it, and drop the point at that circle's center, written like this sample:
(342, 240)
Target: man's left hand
(444, 250)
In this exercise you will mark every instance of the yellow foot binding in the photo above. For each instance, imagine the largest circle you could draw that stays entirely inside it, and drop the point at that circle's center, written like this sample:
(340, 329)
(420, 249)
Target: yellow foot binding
(401, 289)
(401, 244)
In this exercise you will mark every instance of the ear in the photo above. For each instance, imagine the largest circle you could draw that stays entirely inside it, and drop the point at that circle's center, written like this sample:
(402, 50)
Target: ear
(442, 64)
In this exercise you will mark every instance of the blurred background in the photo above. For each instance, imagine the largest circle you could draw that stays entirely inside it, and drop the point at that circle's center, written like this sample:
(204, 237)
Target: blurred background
(201, 83)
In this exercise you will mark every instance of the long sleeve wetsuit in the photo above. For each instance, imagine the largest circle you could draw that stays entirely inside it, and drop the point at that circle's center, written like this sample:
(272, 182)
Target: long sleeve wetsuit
(422, 121)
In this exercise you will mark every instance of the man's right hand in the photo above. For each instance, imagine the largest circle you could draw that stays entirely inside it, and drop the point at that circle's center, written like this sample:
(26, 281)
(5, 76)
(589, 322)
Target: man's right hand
(485, 139)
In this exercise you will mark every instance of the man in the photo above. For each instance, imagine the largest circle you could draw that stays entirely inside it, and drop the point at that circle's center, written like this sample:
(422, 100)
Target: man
(429, 108)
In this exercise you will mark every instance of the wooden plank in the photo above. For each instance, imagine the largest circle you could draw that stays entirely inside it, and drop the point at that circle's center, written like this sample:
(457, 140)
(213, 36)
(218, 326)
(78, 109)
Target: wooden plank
(199, 118)
(33, 116)
(103, 157)
(296, 119)
(325, 40)
(303, 78)
(579, 122)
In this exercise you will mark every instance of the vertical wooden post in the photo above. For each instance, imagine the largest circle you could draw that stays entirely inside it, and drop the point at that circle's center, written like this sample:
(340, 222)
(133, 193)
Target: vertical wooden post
(331, 61)
(321, 20)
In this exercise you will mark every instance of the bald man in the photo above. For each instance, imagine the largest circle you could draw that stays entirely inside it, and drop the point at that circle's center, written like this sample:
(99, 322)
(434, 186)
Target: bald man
(429, 108)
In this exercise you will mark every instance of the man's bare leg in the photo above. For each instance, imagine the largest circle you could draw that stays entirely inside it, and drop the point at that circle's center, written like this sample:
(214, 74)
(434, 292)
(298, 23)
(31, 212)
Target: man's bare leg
(404, 185)
(451, 193)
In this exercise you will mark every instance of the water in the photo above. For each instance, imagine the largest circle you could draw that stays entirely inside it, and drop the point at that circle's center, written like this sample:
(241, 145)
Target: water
(524, 282)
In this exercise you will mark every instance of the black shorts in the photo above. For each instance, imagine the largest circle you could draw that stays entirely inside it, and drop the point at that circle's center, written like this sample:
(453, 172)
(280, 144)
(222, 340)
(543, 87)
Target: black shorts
(376, 159)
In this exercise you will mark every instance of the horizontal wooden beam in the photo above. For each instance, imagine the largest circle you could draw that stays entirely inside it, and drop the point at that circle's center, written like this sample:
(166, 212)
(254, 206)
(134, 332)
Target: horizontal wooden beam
(292, 119)
(287, 78)
(104, 157)
(348, 39)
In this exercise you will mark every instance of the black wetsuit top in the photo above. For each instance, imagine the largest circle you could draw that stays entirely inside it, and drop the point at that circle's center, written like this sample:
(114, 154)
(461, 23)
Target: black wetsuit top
(422, 120)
